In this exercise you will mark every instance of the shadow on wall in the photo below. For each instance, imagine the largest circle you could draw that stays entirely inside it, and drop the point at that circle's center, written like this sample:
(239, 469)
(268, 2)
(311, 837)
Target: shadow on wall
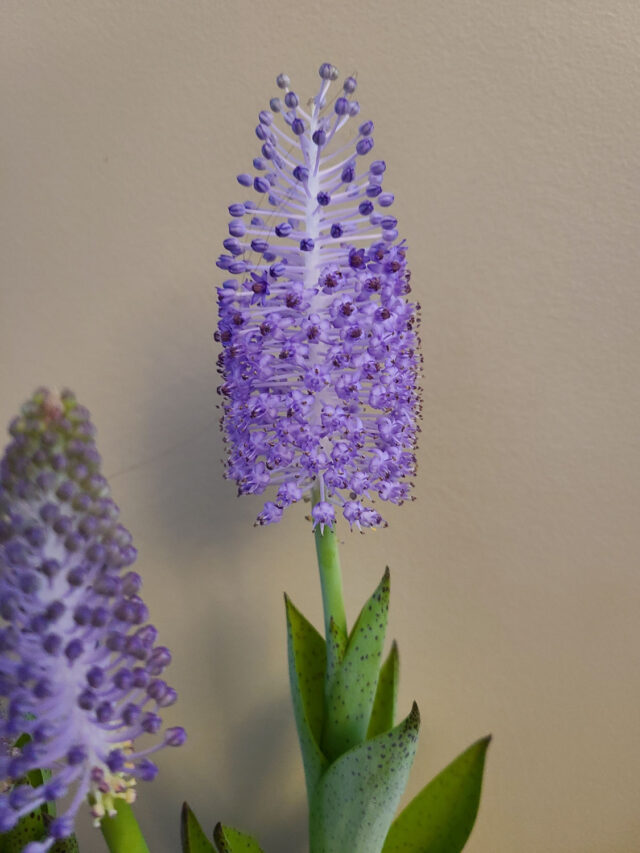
(241, 745)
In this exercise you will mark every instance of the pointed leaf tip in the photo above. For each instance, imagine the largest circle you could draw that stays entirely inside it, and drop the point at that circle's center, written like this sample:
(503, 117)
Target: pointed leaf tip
(440, 818)
(230, 840)
(353, 686)
(192, 836)
(383, 712)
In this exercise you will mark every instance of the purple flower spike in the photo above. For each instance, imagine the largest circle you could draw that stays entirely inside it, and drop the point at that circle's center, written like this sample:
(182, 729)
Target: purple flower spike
(78, 667)
(320, 368)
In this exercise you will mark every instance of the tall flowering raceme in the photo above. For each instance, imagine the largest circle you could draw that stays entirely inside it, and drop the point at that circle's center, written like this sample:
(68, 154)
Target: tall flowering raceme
(319, 365)
(319, 358)
(80, 667)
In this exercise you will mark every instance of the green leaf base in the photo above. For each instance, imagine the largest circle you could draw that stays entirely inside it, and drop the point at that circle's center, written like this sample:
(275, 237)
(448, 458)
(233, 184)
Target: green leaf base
(356, 760)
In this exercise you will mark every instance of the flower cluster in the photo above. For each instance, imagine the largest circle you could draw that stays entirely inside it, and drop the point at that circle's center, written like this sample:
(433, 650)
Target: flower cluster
(79, 664)
(319, 360)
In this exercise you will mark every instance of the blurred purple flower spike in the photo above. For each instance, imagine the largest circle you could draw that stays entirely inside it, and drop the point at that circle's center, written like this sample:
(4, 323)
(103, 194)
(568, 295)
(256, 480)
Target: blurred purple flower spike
(79, 665)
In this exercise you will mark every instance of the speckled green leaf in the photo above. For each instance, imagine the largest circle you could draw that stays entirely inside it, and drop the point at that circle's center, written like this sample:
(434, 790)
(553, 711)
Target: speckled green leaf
(336, 648)
(350, 701)
(231, 841)
(191, 834)
(440, 818)
(383, 713)
(355, 801)
(307, 664)
(32, 827)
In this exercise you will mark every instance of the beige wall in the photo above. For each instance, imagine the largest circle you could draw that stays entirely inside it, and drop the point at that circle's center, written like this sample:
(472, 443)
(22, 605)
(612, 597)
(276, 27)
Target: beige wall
(511, 131)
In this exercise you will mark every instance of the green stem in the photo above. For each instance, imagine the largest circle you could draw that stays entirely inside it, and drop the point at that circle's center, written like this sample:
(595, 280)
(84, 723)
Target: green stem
(330, 575)
(122, 833)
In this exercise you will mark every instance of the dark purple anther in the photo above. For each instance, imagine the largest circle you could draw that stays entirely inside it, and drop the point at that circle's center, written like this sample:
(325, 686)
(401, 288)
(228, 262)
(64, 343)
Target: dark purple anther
(276, 270)
(52, 644)
(291, 100)
(95, 676)
(364, 145)
(377, 167)
(348, 174)
(301, 173)
(365, 128)
(336, 230)
(116, 761)
(42, 689)
(146, 770)
(297, 126)
(76, 755)
(232, 245)
(307, 244)
(175, 736)
(123, 679)
(48, 513)
(104, 712)
(74, 650)
(54, 611)
(323, 199)
(151, 723)
(327, 71)
(319, 137)
(261, 184)
(341, 106)
(244, 180)
(237, 228)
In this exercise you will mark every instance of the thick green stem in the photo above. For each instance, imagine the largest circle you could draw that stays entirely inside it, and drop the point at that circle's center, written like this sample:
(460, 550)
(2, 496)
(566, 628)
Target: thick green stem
(122, 833)
(330, 576)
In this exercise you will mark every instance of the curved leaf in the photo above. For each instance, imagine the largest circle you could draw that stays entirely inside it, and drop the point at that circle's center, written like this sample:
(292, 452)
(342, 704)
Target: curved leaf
(354, 683)
(192, 835)
(354, 803)
(307, 664)
(440, 818)
(383, 712)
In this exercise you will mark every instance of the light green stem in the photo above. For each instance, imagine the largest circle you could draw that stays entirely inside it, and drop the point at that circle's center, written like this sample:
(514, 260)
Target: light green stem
(330, 575)
(122, 833)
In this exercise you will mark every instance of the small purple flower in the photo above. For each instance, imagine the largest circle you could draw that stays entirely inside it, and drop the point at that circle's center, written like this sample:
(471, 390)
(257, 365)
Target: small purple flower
(319, 368)
(80, 669)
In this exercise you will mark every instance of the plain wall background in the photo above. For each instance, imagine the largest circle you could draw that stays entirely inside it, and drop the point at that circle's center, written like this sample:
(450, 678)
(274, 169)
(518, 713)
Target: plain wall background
(511, 131)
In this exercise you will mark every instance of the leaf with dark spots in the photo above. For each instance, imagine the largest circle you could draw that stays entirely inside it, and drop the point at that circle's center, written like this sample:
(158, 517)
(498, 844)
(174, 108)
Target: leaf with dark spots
(356, 799)
(192, 835)
(353, 689)
(440, 818)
